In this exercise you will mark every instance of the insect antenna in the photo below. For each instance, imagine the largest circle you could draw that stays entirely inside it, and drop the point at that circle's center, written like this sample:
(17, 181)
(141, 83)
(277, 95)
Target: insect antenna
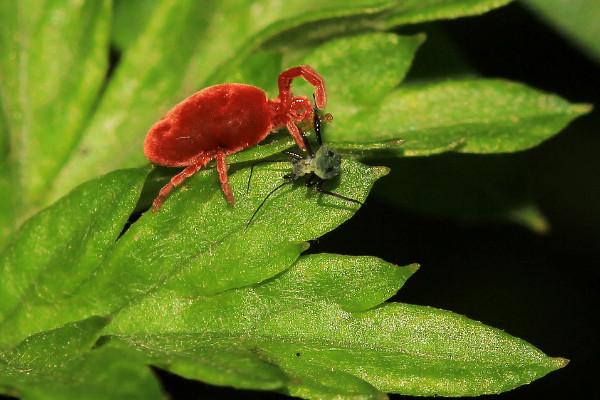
(317, 123)
(265, 200)
(317, 120)
(296, 156)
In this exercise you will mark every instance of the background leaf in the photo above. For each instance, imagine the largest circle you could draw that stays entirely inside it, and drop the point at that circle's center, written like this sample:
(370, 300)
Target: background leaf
(47, 99)
(468, 188)
(7, 216)
(146, 85)
(489, 116)
(576, 19)
(57, 364)
(471, 116)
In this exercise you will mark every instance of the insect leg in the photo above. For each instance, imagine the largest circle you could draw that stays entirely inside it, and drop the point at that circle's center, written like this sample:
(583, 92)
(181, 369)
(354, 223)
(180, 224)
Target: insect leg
(320, 189)
(310, 181)
(306, 143)
(293, 155)
(317, 123)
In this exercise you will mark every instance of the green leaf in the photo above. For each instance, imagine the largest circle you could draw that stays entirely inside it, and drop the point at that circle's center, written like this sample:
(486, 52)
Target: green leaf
(297, 322)
(7, 206)
(576, 19)
(354, 283)
(405, 349)
(380, 62)
(56, 346)
(130, 18)
(481, 116)
(205, 233)
(58, 249)
(145, 84)
(464, 188)
(415, 11)
(58, 364)
(55, 55)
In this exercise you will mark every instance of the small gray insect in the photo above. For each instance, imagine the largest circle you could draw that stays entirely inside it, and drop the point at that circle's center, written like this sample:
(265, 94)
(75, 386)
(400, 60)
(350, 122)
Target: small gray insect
(321, 166)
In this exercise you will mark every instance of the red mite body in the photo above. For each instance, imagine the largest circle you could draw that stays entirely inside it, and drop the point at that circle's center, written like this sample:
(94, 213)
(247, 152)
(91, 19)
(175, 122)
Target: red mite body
(224, 119)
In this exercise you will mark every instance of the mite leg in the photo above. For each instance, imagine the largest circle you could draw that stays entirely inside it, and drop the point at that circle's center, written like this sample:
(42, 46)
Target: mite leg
(308, 73)
(295, 132)
(176, 181)
(222, 169)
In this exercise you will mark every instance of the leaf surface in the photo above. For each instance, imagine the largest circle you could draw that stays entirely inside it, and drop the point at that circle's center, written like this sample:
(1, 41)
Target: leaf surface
(301, 323)
(196, 243)
(58, 364)
(47, 98)
(470, 116)
(57, 250)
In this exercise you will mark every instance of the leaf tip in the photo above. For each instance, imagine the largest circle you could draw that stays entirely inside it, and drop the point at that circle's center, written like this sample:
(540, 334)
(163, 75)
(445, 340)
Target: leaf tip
(413, 267)
(420, 38)
(582, 109)
(381, 171)
(560, 362)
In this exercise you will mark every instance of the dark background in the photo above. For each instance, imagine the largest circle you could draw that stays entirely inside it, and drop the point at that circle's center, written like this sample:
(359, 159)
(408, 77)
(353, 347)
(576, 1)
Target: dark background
(539, 288)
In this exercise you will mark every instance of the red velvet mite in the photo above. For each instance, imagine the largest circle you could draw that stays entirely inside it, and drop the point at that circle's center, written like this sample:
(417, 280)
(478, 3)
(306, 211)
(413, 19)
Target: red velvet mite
(224, 119)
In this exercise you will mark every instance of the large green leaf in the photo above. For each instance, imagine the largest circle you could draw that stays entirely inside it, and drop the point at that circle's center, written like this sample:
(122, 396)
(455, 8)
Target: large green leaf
(54, 57)
(86, 273)
(298, 333)
(165, 281)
